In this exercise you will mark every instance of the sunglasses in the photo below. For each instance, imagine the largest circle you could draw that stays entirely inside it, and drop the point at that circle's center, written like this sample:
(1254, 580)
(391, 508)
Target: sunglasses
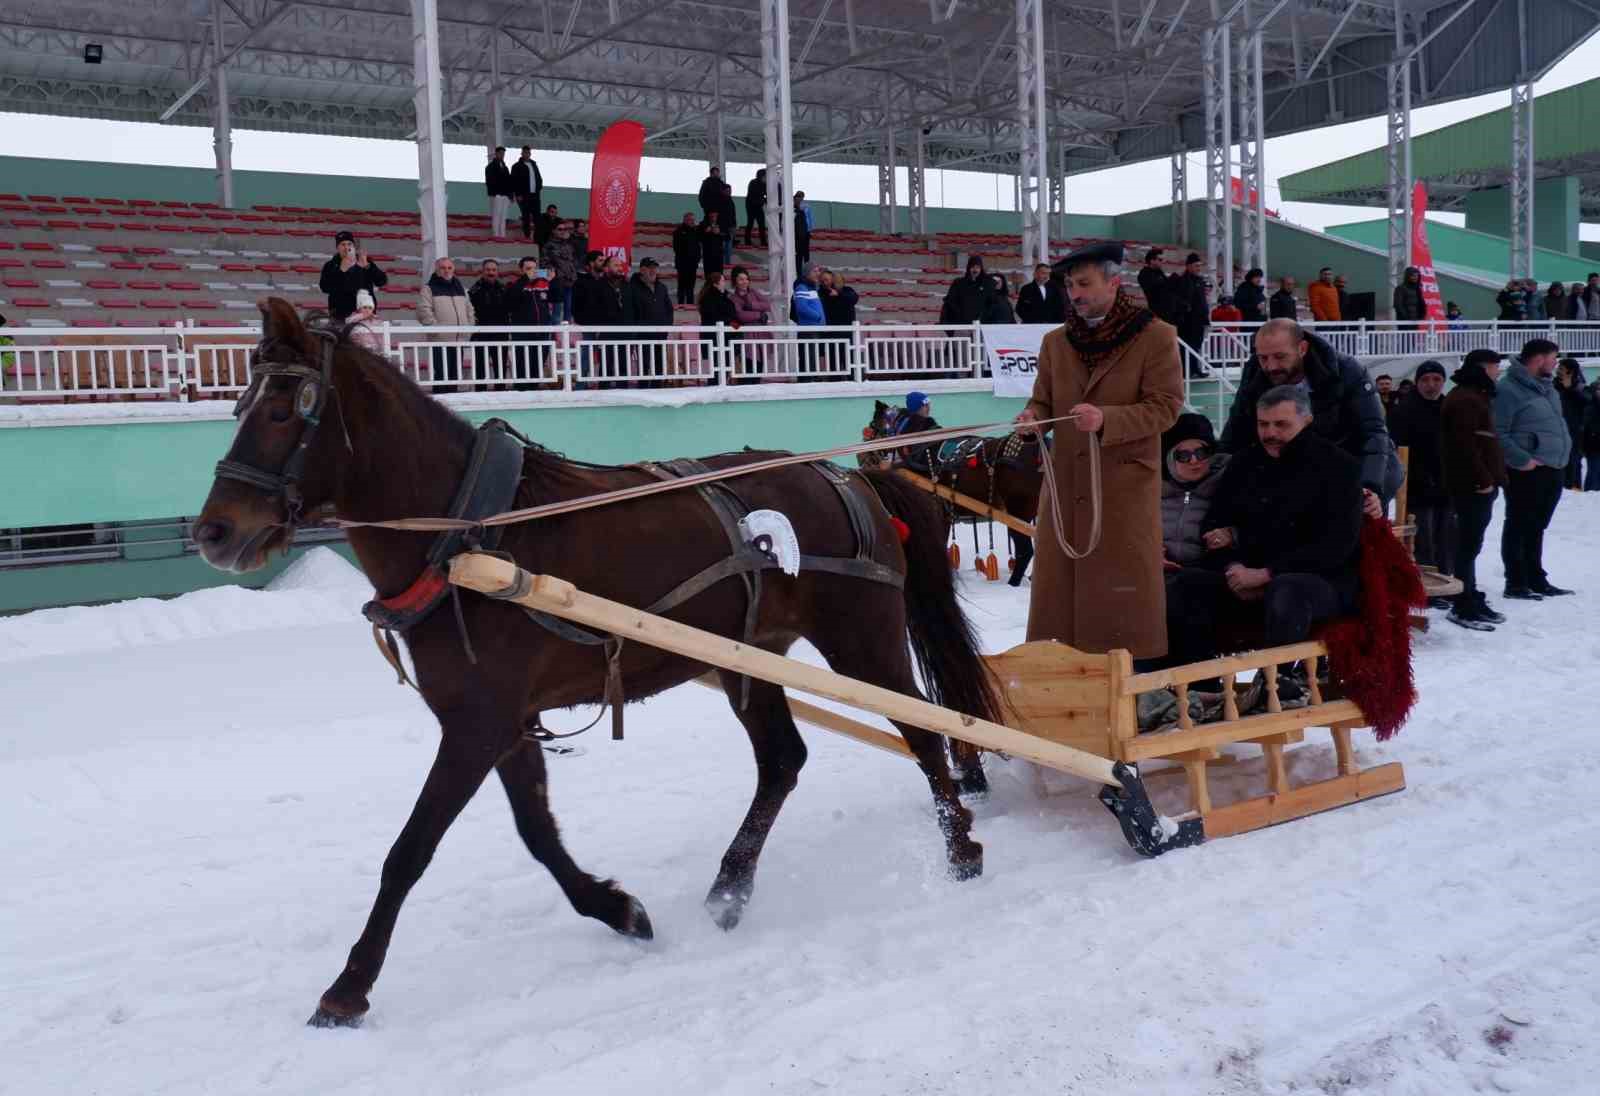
(1185, 456)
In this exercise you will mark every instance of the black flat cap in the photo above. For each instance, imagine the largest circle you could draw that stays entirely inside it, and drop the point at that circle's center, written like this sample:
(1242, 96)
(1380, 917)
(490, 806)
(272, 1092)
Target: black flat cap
(1101, 251)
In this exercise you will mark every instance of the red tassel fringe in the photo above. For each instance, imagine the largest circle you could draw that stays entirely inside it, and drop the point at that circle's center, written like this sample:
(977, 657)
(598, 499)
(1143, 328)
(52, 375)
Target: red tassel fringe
(1370, 654)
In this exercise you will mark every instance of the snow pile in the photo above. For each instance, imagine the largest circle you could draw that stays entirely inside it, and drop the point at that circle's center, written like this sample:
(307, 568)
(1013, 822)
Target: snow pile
(196, 830)
(323, 569)
(320, 587)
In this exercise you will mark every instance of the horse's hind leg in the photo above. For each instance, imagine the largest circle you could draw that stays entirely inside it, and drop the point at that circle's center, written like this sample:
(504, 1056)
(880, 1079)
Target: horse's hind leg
(1021, 555)
(862, 654)
(522, 771)
(780, 754)
(464, 759)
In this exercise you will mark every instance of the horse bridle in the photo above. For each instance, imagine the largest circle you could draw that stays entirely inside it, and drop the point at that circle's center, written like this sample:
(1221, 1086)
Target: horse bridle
(311, 397)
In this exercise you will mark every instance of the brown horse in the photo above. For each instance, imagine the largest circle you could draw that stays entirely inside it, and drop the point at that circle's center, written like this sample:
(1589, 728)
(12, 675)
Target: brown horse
(328, 424)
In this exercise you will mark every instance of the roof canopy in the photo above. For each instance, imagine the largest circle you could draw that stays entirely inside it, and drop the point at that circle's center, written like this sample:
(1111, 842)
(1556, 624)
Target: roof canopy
(1472, 155)
(1123, 76)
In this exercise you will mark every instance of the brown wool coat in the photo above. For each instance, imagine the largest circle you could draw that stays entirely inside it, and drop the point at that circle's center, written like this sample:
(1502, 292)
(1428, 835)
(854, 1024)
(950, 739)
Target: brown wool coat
(1117, 596)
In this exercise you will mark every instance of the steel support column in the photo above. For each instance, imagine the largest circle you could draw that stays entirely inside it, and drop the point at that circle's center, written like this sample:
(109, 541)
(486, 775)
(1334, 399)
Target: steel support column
(1215, 48)
(1058, 196)
(1398, 158)
(1180, 196)
(916, 185)
(1252, 150)
(716, 135)
(1522, 179)
(776, 110)
(221, 123)
(494, 131)
(427, 102)
(1033, 167)
(888, 221)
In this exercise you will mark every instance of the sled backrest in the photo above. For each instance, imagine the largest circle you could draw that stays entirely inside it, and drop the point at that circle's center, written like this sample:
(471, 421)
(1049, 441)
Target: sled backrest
(1063, 694)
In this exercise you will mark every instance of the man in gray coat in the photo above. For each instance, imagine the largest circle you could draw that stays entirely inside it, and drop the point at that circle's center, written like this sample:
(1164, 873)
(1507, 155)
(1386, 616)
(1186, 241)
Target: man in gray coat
(1533, 434)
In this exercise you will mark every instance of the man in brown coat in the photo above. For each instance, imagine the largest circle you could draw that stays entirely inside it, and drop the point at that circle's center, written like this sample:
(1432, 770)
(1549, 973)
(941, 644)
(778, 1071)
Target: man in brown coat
(1116, 368)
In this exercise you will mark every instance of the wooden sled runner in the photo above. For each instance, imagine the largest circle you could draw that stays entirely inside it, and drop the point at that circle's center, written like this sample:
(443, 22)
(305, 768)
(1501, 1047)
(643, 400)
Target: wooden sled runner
(1075, 712)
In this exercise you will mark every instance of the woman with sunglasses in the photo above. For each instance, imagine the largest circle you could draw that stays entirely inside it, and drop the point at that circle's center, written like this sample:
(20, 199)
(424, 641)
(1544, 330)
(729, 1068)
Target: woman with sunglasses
(1191, 471)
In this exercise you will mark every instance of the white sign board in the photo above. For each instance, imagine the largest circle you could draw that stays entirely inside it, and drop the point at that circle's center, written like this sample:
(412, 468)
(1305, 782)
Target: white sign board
(1013, 354)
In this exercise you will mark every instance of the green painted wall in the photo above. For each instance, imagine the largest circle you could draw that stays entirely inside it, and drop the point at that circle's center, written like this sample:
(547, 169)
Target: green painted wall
(1589, 249)
(1464, 247)
(1555, 213)
(1301, 252)
(34, 175)
(92, 583)
(145, 470)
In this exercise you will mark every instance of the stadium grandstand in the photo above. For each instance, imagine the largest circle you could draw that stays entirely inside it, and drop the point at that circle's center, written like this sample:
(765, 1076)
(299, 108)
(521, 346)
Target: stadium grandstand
(130, 293)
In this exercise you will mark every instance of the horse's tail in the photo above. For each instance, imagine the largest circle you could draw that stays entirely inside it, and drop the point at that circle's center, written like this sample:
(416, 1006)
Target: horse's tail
(942, 639)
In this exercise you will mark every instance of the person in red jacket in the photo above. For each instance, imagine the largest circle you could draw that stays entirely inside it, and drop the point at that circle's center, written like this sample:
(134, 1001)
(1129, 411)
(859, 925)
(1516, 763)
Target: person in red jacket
(1226, 311)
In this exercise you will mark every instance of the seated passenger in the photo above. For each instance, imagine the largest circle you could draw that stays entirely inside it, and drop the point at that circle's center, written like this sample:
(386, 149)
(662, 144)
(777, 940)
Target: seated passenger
(1191, 470)
(1284, 537)
(917, 417)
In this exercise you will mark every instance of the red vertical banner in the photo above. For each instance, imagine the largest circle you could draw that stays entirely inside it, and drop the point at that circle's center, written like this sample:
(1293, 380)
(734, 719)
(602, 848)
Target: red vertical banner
(614, 190)
(1422, 257)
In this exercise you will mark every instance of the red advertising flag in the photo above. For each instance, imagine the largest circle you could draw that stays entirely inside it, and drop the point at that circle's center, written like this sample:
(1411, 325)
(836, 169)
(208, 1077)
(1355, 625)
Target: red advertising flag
(614, 190)
(1422, 256)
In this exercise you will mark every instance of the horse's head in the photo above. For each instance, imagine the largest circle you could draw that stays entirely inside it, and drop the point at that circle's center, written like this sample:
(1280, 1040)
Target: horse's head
(282, 461)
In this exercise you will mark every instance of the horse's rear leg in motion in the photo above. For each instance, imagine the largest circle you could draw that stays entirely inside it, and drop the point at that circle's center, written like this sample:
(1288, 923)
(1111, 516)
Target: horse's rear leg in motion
(522, 771)
(1021, 556)
(464, 759)
(780, 754)
(864, 655)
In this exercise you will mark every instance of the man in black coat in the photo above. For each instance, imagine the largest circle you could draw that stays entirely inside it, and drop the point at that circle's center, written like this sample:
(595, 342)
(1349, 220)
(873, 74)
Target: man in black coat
(592, 304)
(491, 304)
(527, 187)
(1282, 304)
(1344, 403)
(346, 274)
(968, 297)
(1041, 300)
(1283, 532)
(645, 303)
(711, 192)
(686, 257)
(1186, 297)
(755, 206)
(1251, 296)
(497, 183)
(1415, 423)
(1153, 283)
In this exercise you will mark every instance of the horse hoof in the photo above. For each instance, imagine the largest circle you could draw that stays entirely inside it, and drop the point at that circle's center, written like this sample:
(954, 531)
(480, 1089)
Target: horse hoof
(968, 865)
(726, 908)
(636, 922)
(335, 1012)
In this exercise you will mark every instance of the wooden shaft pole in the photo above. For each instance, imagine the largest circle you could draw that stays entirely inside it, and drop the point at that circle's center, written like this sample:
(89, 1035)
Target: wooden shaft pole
(489, 575)
(967, 502)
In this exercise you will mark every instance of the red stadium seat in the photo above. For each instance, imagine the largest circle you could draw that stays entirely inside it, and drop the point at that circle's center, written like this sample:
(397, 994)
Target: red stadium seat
(166, 265)
(239, 268)
(50, 264)
(165, 304)
(12, 264)
(146, 202)
(31, 302)
(117, 302)
(102, 283)
(26, 222)
(124, 264)
(144, 284)
(176, 205)
(149, 251)
(200, 304)
(109, 201)
(112, 249)
(19, 283)
(185, 287)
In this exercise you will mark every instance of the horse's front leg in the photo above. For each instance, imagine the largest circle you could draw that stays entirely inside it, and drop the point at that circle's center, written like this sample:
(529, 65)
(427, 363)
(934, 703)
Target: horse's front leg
(466, 754)
(1021, 555)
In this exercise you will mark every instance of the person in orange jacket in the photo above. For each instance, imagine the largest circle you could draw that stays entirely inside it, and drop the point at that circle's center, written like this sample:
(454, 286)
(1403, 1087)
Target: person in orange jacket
(1323, 296)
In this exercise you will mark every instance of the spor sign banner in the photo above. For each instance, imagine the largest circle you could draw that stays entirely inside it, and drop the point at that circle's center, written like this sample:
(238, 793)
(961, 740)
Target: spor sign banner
(1013, 354)
(614, 190)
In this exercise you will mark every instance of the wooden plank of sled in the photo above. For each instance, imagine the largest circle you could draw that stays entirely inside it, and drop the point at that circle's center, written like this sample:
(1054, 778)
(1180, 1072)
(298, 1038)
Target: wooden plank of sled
(1165, 743)
(1271, 809)
(832, 721)
(489, 575)
(967, 502)
(1437, 585)
(1059, 693)
(1221, 667)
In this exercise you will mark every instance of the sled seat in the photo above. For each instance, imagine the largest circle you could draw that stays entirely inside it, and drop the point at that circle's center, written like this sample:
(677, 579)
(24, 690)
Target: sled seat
(1090, 702)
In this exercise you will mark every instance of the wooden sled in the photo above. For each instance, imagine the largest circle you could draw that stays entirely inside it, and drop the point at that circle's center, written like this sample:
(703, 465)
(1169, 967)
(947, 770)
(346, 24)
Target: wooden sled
(1434, 583)
(1073, 712)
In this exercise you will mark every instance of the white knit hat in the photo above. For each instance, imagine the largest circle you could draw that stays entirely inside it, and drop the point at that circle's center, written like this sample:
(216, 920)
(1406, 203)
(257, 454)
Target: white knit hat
(364, 300)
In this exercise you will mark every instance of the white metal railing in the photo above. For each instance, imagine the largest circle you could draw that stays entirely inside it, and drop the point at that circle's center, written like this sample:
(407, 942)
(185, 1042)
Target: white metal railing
(192, 363)
(1231, 344)
(186, 362)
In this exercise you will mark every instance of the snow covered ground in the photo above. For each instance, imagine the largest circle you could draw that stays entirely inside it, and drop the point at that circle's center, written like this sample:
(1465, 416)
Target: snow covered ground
(196, 797)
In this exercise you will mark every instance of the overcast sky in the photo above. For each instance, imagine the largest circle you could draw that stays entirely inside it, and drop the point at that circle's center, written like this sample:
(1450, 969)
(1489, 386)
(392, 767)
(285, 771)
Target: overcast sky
(1115, 190)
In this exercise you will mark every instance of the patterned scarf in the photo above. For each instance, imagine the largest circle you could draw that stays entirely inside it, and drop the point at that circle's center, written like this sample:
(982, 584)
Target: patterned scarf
(1122, 324)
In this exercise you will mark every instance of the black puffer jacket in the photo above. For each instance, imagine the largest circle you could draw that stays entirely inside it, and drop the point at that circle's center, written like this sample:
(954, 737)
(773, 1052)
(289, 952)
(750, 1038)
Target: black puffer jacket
(1299, 512)
(1415, 423)
(1251, 301)
(1345, 409)
(967, 300)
